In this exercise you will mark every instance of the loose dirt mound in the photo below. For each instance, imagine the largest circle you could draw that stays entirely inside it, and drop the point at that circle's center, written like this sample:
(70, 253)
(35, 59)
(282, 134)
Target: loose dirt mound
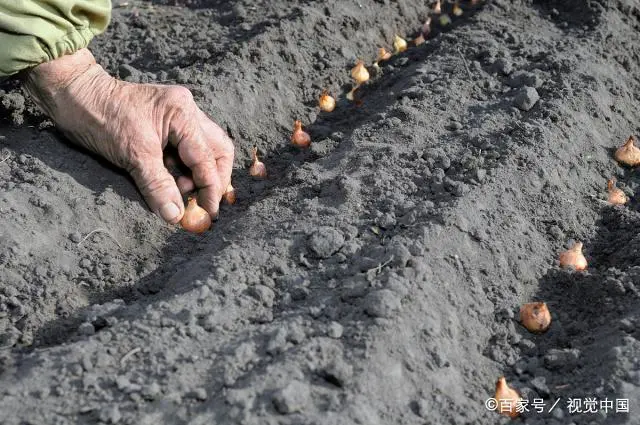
(372, 279)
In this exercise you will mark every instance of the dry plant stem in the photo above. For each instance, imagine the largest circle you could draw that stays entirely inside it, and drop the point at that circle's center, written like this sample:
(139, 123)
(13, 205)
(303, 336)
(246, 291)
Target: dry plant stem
(380, 266)
(127, 356)
(100, 230)
(464, 60)
(5, 158)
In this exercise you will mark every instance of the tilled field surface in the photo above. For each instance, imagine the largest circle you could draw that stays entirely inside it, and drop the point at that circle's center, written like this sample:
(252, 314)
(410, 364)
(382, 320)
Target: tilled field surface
(374, 278)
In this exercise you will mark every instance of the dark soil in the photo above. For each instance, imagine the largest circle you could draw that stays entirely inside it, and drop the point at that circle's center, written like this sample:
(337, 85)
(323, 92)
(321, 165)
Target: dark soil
(372, 279)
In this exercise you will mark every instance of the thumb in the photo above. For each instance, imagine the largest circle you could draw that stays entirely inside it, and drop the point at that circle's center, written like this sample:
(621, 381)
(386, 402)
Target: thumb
(159, 189)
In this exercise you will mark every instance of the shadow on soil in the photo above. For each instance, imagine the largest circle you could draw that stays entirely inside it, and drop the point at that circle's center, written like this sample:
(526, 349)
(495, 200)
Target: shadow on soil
(588, 314)
(571, 14)
(97, 175)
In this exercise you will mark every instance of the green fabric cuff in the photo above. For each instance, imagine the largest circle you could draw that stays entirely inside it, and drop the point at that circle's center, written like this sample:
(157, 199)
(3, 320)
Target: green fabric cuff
(37, 31)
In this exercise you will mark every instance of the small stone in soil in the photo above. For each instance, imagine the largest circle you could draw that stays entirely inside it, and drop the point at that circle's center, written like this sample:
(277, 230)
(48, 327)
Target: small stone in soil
(400, 254)
(292, 398)
(386, 220)
(561, 359)
(338, 373)
(325, 241)
(504, 66)
(86, 328)
(277, 342)
(420, 407)
(382, 303)
(151, 391)
(296, 333)
(524, 78)
(262, 293)
(454, 125)
(539, 383)
(335, 330)
(110, 415)
(526, 98)
(200, 394)
(129, 73)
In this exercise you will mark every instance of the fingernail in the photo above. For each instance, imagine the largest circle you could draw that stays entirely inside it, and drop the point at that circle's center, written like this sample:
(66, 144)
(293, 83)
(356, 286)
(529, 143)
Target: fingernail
(169, 212)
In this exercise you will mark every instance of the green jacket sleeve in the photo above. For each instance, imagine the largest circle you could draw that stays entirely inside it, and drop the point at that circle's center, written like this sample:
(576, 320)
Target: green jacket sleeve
(37, 31)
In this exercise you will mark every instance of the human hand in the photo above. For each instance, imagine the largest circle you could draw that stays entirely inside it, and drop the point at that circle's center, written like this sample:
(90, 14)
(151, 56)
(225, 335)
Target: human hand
(131, 124)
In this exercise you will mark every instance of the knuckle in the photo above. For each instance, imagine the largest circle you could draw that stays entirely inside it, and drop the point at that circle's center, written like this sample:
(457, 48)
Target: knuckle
(179, 96)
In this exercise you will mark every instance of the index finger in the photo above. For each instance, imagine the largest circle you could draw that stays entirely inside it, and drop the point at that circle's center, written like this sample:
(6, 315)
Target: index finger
(209, 155)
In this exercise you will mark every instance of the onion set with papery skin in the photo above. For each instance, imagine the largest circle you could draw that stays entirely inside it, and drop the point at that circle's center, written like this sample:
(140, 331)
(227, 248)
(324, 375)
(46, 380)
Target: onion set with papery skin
(300, 138)
(616, 195)
(507, 399)
(359, 72)
(535, 317)
(399, 44)
(229, 195)
(257, 169)
(383, 55)
(326, 102)
(573, 257)
(628, 154)
(195, 219)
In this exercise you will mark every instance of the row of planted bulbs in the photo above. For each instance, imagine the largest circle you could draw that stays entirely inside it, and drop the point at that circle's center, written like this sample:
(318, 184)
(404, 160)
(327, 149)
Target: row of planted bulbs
(197, 220)
(536, 316)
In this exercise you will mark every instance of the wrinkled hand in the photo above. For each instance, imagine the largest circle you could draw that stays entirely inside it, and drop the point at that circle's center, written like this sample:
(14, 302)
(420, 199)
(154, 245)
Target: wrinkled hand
(131, 124)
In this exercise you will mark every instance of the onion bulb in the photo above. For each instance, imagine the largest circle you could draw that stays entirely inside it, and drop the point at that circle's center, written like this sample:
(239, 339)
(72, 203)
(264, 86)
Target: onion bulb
(195, 219)
(383, 55)
(300, 138)
(436, 9)
(616, 195)
(628, 153)
(457, 10)
(327, 102)
(359, 72)
(507, 399)
(535, 317)
(230, 195)
(573, 257)
(257, 169)
(399, 44)
(445, 20)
